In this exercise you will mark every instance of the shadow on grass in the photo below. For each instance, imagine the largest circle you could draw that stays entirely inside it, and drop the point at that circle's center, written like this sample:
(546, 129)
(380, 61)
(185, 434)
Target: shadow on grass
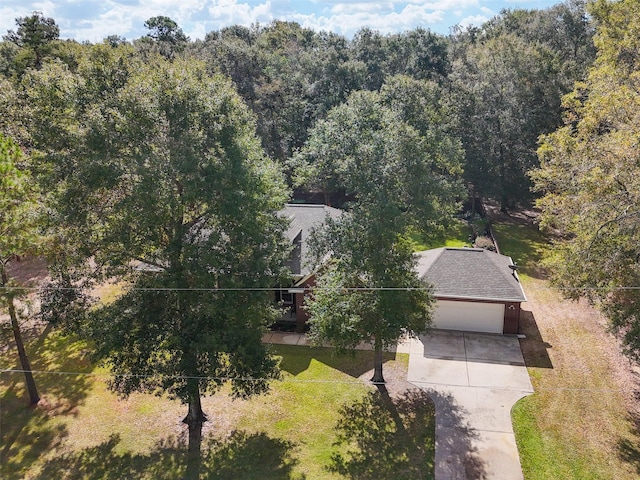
(241, 456)
(296, 359)
(524, 243)
(383, 437)
(629, 451)
(26, 432)
(629, 448)
(534, 348)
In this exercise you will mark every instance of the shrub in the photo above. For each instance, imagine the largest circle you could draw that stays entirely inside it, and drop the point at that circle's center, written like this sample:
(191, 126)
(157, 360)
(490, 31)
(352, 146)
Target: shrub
(484, 242)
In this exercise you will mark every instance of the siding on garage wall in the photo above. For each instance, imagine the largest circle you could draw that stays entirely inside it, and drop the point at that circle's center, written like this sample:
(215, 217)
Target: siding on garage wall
(470, 316)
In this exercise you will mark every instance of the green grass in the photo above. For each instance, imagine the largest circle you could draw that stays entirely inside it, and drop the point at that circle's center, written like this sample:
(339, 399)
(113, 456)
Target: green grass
(575, 425)
(525, 244)
(80, 429)
(457, 235)
(548, 455)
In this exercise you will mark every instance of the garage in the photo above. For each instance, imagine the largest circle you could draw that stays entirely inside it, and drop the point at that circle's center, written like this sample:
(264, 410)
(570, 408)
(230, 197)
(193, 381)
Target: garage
(476, 290)
(468, 316)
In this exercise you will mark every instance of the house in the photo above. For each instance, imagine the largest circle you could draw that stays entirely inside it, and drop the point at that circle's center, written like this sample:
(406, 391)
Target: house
(303, 219)
(476, 290)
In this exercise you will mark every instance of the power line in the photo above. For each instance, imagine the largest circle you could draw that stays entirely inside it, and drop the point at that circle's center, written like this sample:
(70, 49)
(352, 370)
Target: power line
(290, 380)
(186, 377)
(305, 289)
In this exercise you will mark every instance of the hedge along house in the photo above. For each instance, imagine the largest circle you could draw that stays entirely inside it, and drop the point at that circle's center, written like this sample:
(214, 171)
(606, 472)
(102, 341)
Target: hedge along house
(303, 219)
(476, 290)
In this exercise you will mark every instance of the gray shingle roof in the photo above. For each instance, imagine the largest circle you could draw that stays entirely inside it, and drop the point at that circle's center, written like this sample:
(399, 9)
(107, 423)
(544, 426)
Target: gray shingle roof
(303, 218)
(471, 273)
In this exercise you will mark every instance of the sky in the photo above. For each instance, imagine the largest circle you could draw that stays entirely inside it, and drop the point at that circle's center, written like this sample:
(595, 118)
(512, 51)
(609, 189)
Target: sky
(94, 20)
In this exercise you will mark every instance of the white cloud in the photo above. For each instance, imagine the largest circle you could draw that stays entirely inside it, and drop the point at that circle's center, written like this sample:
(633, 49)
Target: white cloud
(476, 20)
(94, 20)
(122, 19)
(7, 18)
(230, 12)
(449, 5)
(357, 7)
(347, 24)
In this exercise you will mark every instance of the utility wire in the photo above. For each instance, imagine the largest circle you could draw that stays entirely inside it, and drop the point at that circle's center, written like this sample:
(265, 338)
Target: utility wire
(311, 288)
(185, 377)
(289, 380)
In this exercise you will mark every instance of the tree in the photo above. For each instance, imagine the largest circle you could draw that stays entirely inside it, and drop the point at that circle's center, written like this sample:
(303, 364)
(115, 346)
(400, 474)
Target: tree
(8, 53)
(163, 185)
(589, 177)
(164, 37)
(505, 95)
(400, 178)
(11, 112)
(35, 33)
(164, 29)
(281, 103)
(333, 74)
(418, 53)
(368, 47)
(231, 51)
(18, 236)
(563, 28)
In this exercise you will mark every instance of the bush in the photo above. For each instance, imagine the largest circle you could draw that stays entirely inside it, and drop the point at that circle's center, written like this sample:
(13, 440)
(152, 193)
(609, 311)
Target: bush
(484, 242)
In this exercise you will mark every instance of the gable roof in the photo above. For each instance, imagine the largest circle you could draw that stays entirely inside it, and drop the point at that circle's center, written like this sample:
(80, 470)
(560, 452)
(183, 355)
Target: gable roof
(470, 273)
(302, 219)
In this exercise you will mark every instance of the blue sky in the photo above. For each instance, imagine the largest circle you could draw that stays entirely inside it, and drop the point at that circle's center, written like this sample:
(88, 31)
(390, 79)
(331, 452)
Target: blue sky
(93, 20)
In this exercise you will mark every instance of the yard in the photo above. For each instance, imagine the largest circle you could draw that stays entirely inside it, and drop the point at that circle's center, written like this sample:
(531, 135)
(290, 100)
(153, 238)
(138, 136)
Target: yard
(82, 430)
(457, 235)
(582, 421)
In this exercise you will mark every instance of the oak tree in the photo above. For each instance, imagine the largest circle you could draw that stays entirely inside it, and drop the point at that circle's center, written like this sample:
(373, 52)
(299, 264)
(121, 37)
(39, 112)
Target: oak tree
(400, 177)
(589, 177)
(163, 187)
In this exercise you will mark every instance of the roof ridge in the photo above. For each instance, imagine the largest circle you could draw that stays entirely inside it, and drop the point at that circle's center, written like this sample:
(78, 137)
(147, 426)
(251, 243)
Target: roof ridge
(314, 205)
(476, 276)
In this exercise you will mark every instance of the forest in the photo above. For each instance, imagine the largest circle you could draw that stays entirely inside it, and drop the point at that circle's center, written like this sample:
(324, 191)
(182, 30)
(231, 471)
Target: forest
(176, 154)
(501, 84)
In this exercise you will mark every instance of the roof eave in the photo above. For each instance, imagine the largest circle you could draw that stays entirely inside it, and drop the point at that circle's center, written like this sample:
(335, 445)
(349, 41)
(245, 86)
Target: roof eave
(480, 299)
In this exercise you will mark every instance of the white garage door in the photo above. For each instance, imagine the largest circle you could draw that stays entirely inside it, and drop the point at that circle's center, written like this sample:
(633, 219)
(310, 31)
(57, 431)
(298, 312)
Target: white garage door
(469, 316)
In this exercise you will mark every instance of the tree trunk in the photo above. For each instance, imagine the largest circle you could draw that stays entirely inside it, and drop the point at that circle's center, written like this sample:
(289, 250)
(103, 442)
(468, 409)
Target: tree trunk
(34, 398)
(377, 362)
(194, 419)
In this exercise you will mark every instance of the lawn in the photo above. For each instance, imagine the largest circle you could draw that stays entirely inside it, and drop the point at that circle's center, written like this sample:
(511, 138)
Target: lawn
(578, 423)
(457, 235)
(82, 430)
(525, 244)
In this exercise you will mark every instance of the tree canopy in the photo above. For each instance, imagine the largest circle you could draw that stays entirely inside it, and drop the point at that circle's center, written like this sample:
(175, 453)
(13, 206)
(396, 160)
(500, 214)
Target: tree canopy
(508, 78)
(399, 177)
(35, 33)
(512, 70)
(162, 185)
(589, 176)
(168, 38)
(19, 235)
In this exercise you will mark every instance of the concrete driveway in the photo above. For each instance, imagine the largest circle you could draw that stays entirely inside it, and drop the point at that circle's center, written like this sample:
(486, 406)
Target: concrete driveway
(474, 381)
